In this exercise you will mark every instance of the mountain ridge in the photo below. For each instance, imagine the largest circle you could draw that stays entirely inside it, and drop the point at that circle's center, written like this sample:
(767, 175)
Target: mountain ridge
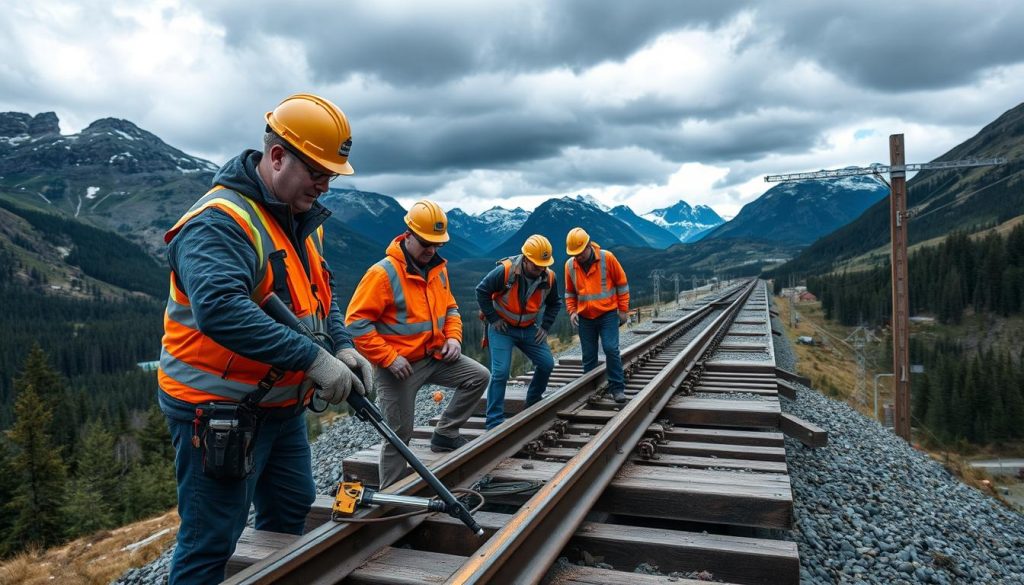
(938, 202)
(685, 222)
(800, 212)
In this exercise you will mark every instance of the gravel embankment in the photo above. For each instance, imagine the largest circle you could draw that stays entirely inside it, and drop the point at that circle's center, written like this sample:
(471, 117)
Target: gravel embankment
(341, 439)
(868, 508)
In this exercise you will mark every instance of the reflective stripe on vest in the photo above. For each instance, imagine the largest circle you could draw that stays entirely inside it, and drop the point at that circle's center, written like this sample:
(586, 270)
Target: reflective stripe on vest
(196, 378)
(504, 303)
(199, 368)
(604, 294)
(402, 326)
(244, 209)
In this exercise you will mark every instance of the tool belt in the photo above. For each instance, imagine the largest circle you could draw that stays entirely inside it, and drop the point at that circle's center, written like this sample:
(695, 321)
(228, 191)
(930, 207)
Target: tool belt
(226, 432)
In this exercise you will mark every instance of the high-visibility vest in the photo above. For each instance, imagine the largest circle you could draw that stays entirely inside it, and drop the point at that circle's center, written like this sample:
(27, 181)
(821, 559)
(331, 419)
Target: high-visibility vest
(195, 368)
(506, 302)
(603, 288)
(397, 312)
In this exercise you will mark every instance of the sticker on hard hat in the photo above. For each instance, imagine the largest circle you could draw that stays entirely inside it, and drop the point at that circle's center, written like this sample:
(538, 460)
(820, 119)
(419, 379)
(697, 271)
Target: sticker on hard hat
(345, 148)
(439, 227)
(545, 255)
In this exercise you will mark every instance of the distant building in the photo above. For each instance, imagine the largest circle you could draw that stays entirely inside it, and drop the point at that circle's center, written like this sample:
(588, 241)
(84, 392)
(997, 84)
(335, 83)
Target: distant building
(148, 366)
(806, 297)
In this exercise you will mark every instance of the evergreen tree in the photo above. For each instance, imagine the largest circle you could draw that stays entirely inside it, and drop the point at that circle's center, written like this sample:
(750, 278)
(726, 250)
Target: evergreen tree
(155, 438)
(920, 397)
(49, 386)
(40, 472)
(97, 469)
(148, 484)
(1013, 401)
(38, 374)
(86, 510)
(7, 488)
(149, 489)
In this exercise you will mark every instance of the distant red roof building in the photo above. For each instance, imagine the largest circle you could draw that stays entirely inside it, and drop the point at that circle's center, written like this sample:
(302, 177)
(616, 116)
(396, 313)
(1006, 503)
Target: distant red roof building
(807, 296)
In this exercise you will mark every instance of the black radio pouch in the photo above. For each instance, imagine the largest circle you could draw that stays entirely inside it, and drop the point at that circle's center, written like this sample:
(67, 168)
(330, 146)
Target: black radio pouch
(228, 435)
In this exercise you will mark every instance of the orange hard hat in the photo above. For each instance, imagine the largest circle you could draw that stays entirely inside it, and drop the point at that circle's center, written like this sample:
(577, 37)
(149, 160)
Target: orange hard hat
(538, 249)
(576, 241)
(315, 127)
(427, 220)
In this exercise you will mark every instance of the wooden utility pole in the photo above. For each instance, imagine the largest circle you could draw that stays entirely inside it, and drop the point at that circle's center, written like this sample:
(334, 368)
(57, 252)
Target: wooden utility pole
(900, 302)
(897, 170)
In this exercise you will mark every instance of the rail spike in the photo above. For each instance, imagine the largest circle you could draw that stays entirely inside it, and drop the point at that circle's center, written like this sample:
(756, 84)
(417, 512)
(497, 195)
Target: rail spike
(647, 449)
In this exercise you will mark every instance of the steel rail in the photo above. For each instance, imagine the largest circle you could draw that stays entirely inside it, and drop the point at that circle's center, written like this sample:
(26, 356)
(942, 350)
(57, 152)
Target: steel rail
(524, 549)
(331, 551)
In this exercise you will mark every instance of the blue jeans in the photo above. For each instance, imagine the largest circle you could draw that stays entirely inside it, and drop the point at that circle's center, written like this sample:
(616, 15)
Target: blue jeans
(501, 345)
(607, 328)
(214, 512)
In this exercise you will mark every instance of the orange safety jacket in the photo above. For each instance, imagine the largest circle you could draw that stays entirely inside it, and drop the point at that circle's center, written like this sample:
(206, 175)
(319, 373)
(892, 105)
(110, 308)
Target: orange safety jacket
(601, 289)
(195, 368)
(394, 311)
(506, 303)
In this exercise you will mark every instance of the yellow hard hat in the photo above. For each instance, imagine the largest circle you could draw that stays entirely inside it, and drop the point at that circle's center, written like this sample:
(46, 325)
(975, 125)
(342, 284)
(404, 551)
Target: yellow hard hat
(427, 220)
(316, 128)
(538, 249)
(576, 241)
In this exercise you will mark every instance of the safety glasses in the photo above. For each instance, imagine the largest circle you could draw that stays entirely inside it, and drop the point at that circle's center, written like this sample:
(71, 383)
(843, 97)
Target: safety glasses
(315, 175)
(425, 243)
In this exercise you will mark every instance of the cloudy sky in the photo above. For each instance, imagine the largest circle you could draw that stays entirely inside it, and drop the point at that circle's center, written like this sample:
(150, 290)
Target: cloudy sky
(478, 103)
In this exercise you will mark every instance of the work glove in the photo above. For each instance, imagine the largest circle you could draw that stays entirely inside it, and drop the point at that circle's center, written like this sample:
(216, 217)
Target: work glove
(623, 317)
(334, 380)
(574, 319)
(540, 335)
(501, 326)
(358, 364)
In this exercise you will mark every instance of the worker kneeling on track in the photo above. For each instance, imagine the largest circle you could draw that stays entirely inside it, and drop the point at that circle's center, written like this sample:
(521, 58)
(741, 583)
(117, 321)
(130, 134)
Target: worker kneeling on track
(234, 382)
(511, 298)
(404, 319)
(597, 300)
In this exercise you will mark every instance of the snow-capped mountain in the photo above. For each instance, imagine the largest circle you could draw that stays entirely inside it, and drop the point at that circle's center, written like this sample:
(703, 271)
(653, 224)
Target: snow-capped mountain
(555, 217)
(112, 174)
(800, 212)
(589, 200)
(490, 227)
(379, 218)
(655, 235)
(687, 223)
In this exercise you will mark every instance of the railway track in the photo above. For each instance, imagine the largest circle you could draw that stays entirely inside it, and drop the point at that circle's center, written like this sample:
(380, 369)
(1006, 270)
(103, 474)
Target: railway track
(688, 476)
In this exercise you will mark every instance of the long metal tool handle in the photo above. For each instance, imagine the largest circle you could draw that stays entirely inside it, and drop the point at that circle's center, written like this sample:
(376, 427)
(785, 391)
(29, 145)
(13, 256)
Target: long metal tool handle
(367, 411)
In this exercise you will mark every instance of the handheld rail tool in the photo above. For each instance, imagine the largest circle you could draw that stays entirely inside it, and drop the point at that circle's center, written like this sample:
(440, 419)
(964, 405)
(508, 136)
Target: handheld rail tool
(352, 495)
(367, 411)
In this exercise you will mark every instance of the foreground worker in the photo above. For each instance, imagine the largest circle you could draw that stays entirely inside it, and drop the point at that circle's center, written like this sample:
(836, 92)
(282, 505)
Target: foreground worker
(233, 382)
(597, 300)
(511, 298)
(404, 318)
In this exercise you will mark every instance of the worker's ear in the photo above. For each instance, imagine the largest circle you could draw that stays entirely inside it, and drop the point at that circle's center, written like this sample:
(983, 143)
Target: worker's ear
(277, 154)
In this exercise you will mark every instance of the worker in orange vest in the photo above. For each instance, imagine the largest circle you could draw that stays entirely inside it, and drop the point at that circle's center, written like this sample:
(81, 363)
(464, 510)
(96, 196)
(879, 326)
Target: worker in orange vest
(234, 382)
(512, 298)
(404, 319)
(597, 300)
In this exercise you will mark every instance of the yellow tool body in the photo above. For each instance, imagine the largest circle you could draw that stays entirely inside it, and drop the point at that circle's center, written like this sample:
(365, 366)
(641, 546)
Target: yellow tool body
(347, 498)
(352, 495)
